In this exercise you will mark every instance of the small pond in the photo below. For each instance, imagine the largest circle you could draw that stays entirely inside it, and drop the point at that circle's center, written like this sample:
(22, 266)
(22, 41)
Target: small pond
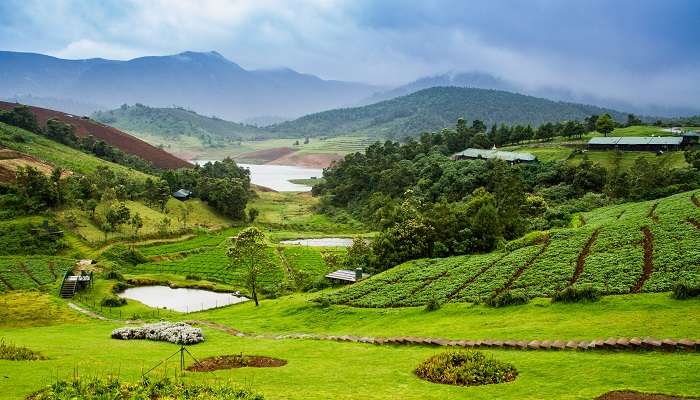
(321, 242)
(180, 299)
(277, 177)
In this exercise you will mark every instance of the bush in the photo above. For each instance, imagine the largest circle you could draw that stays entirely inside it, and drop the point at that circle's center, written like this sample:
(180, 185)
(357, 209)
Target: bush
(161, 388)
(123, 255)
(465, 368)
(576, 294)
(323, 302)
(17, 353)
(119, 287)
(112, 301)
(115, 275)
(432, 305)
(684, 291)
(507, 299)
(193, 277)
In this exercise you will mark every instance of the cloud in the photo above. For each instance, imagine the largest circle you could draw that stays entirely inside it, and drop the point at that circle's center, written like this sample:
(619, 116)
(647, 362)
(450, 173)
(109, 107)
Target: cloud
(639, 51)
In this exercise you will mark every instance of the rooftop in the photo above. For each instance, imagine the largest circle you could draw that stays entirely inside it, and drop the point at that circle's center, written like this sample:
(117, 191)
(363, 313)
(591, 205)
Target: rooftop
(501, 155)
(637, 140)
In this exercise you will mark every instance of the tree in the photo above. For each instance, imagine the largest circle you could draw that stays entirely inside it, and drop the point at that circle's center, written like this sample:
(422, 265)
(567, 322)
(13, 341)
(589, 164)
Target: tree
(116, 215)
(136, 223)
(249, 252)
(162, 194)
(164, 225)
(91, 205)
(605, 124)
(633, 120)
(253, 214)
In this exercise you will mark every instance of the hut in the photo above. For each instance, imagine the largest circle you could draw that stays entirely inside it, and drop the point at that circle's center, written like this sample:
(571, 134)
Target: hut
(182, 194)
(347, 276)
(507, 156)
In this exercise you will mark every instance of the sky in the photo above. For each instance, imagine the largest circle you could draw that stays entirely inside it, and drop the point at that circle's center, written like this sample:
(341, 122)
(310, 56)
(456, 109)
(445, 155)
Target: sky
(640, 51)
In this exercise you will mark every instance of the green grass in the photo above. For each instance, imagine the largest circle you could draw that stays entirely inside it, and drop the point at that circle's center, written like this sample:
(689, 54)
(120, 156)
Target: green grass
(323, 370)
(308, 182)
(21, 309)
(614, 264)
(57, 154)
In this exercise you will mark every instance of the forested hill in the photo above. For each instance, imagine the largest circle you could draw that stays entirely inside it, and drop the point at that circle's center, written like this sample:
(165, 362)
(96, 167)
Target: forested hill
(173, 122)
(435, 108)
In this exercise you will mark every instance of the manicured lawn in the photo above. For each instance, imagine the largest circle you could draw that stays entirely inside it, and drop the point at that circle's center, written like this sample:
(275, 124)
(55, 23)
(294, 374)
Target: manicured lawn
(330, 370)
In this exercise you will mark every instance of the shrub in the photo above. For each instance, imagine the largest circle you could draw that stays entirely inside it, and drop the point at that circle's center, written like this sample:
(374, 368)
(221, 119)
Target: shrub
(684, 291)
(17, 353)
(465, 368)
(119, 287)
(323, 302)
(193, 277)
(432, 305)
(162, 388)
(507, 299)
(113, 301)
(115, 275)
(124, 255)
(573, 294)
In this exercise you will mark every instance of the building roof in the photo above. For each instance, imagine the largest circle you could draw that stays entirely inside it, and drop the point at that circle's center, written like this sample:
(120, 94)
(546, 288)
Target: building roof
(343, 275)
(636, 140)
(501, 155)
(182, 193)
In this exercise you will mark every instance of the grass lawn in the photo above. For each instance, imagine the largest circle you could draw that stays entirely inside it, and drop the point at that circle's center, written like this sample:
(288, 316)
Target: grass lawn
(634, 315)
(330, 370)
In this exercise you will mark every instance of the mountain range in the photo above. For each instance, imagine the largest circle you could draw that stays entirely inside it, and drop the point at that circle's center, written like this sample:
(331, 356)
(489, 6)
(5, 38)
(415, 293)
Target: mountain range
(205, 82)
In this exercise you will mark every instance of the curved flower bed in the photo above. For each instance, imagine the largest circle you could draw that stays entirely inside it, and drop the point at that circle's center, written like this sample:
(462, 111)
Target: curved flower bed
(465, 368)
(173, 332)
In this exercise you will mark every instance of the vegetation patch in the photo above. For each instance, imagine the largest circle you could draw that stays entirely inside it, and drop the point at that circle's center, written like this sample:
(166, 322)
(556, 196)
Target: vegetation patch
(573, 294)
(632, 395)
(165, 388)
(507, 299)
(684, 291)
(9, 351)
(235, 361)
(465, 368)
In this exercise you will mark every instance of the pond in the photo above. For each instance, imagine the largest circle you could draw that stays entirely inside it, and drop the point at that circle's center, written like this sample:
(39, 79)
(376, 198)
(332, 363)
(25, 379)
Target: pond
(277, 177)
(321, 242)
(180, 299)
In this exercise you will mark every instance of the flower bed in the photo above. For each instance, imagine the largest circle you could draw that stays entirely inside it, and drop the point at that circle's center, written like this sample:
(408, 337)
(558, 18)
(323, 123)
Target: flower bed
(173, 332)
(465, 368)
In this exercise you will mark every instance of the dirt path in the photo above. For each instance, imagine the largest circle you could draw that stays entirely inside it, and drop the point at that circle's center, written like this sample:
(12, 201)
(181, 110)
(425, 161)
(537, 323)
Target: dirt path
(29, 273)
(694, 222)
(475, 277)
(525, 266)
(88, 312)
(652, 213)
(581, 260)
(648, 243)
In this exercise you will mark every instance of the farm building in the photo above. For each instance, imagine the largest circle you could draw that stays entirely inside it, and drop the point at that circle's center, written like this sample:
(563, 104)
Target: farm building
(347, 276)
(635, 143)
(182, 194)
(691, 137)
(508, 156)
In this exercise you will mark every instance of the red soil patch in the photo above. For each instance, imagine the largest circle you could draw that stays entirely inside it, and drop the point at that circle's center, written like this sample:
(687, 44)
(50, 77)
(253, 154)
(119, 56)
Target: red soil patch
(695, 200)
(522, 269)
(648, 244)
(267, 155)
(694, 222)
(630, 395)
(237, 361)
(112, 136)
(11, 160)
(581, 261)
(309, 160)
(652, 213)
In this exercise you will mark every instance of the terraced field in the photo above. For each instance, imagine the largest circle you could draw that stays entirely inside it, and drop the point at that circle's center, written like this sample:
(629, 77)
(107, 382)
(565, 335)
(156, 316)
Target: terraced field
(28, 272)
(628, 248)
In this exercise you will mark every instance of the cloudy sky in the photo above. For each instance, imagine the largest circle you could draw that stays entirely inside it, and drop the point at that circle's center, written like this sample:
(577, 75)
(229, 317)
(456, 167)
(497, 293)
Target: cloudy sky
(641, 51)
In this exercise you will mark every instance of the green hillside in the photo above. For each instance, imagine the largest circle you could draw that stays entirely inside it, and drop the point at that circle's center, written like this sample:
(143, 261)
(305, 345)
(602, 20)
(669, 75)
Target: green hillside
(435, 108)
(175, 122)
(628, 248)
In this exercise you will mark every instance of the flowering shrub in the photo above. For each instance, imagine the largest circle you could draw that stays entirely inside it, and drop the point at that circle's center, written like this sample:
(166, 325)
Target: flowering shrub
(173, 332)
(465, 368)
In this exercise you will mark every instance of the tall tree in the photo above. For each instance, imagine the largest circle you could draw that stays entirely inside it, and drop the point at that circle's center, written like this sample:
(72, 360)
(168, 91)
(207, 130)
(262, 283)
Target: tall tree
(605, 124)
(249, 252)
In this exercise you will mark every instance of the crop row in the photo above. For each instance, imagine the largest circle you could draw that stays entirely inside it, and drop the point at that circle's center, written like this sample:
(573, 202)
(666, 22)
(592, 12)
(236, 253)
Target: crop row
(30, 272)
(198, 242)
(609, 251)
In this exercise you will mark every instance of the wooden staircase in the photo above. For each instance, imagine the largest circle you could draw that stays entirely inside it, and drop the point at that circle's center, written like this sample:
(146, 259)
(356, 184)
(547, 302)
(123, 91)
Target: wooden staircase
(68, 288)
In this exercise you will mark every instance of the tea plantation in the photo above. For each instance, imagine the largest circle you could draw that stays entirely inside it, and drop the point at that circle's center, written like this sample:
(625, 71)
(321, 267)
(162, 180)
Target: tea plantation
(627, 248)
(22, 272)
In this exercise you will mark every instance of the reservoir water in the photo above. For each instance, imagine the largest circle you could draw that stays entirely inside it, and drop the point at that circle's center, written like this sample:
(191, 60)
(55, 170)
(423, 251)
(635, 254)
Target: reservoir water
(180, 299)
(321, 242)
(276, 177)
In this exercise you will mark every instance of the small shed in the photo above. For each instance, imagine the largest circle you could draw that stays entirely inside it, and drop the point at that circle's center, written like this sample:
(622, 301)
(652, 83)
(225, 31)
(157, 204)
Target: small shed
(182, 194)
(507, 156)
(346, 275)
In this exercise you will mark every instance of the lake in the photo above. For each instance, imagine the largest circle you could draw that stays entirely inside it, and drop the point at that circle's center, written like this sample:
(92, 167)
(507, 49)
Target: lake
(321, 242)
(180, 299)
(276, 177)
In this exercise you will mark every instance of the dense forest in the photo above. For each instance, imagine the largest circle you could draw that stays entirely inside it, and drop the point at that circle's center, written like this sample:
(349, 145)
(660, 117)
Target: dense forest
(427, 205)
(175, 122)
(432, 109)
